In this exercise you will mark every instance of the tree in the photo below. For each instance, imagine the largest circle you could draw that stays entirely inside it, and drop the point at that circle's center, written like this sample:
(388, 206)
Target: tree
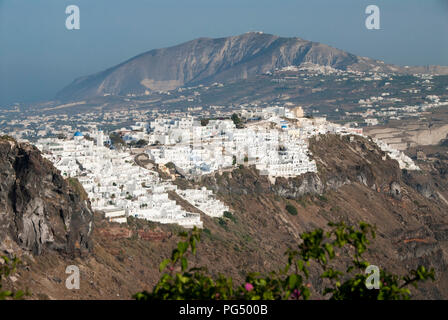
(229, 216)
(170, 165)
(116, 139)
(88, 137)
(236, 119)
(140, 143)
(179, 281)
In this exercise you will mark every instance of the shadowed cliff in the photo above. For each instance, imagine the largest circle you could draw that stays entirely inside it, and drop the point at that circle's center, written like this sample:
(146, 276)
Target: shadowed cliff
(39, 210)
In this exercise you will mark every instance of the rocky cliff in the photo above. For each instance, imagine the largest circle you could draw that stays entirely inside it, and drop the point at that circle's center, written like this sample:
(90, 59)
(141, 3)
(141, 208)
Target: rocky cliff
(39, 210)
(356, 182)
(340, 161)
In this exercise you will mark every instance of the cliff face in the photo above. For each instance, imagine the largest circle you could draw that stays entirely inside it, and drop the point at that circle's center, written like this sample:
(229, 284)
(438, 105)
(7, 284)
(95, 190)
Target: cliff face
(39, 210)
(355, 182)
(340, 162)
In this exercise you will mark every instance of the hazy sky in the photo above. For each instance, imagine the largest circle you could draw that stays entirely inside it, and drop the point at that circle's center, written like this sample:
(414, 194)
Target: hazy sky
(39, 56)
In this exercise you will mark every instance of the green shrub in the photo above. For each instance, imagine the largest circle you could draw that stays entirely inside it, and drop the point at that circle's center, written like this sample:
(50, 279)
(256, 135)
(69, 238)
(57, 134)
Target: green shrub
(236, 119)
(229, 216)
(322, 198)
(291, 209)
(8, 267)
(7, 138)
(116, 139)
(179, 281)
(222, 223)
(170, 165)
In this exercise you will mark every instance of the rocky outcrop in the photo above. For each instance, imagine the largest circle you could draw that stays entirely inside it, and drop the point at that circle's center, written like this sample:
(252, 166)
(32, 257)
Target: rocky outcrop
(297, 187)
(356, 181)
(422, 182)
(395, 190)
(39, 210)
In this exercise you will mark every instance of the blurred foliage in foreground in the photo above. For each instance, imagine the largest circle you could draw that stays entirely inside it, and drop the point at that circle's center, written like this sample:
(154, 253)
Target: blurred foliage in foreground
(7, 268)
(319, 247)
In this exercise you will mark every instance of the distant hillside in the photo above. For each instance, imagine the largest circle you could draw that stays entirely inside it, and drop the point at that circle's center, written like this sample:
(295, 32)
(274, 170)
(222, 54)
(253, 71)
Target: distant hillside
(208, 60)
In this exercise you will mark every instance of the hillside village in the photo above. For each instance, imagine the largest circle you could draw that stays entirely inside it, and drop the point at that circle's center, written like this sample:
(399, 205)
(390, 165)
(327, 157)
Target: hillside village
(274, 140)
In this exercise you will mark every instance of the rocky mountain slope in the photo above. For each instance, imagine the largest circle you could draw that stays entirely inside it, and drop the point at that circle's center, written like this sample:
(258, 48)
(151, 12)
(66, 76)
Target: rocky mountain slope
(356, 182)
(208, 60)
(39, 210)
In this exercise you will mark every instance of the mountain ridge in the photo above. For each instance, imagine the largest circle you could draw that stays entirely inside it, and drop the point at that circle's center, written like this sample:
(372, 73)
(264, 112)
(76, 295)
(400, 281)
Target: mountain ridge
(207, 60)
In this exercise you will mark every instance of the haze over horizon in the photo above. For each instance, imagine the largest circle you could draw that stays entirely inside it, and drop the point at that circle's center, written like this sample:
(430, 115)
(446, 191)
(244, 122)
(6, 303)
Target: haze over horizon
(39, 56)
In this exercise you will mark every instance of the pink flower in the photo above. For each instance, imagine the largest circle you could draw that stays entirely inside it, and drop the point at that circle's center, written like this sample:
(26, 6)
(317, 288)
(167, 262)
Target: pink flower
(295, 294)
(248, 287)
